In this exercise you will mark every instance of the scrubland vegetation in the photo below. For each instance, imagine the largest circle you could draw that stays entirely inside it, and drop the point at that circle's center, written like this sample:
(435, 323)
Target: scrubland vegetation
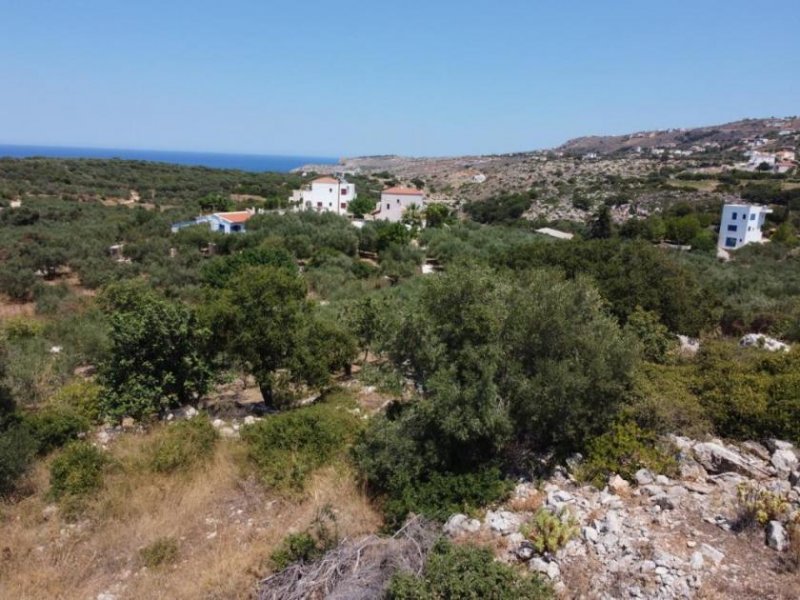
(521, 353)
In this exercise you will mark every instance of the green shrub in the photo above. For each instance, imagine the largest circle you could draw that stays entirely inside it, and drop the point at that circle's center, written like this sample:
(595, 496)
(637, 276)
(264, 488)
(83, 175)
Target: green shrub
(156, 359)
(77, 472)
(308, 545)
(286, 448)
(81, 396)
(466, 572)
(442, 494)
(54, 427)
(17, 449)
(182, 445)
(750, 393)
(654, 337)
(664, 400)
(549, 531)
(625, 449)
(163, 551)
(759, 505)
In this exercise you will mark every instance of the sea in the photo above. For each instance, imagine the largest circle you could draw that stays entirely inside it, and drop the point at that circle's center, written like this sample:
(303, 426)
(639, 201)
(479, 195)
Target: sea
(243, 162)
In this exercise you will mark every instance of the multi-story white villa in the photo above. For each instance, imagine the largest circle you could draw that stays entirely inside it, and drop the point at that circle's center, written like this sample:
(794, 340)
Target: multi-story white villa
(395, 201)
(325, 194)
(741, 224)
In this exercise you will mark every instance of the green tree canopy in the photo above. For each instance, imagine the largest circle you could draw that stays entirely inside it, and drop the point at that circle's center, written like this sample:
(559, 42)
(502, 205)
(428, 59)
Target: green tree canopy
(156, 356)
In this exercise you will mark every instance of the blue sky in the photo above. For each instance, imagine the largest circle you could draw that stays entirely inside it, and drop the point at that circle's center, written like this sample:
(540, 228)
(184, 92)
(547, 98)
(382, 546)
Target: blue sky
(414, 77)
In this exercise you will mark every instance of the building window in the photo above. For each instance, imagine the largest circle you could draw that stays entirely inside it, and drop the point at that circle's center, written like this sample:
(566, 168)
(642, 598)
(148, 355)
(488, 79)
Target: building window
(388, 207)
(735, 215)
(319, 204)
(344, 191)
(344, 204)
(730, 242)
(731, 227)
(330, 190)
(753, 217)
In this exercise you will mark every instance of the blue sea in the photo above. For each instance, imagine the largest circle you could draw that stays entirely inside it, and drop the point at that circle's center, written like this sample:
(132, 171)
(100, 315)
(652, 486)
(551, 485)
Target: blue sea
(243, 162)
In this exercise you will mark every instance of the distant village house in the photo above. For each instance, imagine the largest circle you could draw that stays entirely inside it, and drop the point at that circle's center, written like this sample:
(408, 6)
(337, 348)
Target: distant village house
(223, 222)
(741, 225)
(325, 194)
(395, 201)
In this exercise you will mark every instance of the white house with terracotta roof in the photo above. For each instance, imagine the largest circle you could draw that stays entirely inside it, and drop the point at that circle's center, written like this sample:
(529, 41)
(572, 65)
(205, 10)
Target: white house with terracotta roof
(224, 222)
(395, 201)
(325, 194)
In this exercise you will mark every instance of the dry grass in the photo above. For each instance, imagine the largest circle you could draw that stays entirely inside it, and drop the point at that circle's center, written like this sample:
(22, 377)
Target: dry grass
(225, 527)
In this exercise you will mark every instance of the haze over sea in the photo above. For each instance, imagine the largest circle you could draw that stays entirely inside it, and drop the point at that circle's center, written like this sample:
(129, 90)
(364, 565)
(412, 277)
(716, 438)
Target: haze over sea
(244, 162)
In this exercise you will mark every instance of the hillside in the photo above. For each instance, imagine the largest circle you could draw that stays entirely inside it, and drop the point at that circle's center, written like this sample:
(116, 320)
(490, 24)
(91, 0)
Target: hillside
(728, 136)
(389, 410)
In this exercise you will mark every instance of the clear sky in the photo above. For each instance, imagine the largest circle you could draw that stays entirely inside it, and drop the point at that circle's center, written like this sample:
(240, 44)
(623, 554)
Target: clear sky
(413, 77)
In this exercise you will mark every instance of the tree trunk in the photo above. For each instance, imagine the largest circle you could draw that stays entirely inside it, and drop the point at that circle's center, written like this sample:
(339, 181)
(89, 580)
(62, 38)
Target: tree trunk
(266, 393)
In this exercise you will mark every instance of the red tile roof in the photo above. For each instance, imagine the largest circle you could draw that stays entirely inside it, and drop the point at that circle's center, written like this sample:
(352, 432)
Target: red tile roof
(234, 217)
(325, 180)
(402, 191)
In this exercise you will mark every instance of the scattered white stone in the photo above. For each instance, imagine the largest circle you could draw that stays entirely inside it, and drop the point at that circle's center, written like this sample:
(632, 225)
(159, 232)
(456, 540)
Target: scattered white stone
(249, 420)
(697, 561)
(459, 524)
(688, 346)
(776, 536)
(653, 490)
(757, 340)
(643, 477)
(611, 523)
(228, 432)
(785, 461)
(712, 554)
(503, 521)
(619, 486)
(218, 423)
(589, 534)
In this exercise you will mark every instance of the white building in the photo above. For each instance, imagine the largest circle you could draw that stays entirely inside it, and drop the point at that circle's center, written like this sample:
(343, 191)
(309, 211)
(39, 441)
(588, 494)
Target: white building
(325, 194)
(741, 224)
(224, 222)
(758, 158)
(395, 201)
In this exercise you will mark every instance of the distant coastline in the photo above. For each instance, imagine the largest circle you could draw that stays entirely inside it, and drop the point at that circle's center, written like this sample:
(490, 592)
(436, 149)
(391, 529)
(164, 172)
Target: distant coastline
(214, 160)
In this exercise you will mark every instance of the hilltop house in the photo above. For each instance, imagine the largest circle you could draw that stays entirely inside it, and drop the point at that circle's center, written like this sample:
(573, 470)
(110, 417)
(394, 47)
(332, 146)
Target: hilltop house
(224, 222)
(395, 201)
(325, 194)
(741, 224)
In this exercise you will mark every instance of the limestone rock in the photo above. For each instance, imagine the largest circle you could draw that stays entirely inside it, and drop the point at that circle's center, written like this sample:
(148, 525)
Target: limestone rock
(589, 534)
(643, 477)
(503, 521)
(757, 340)
(716, 458)
(785, 461)
(776, 536)
(618, 485)
(697, 561)
(711, 553)
(459, 524)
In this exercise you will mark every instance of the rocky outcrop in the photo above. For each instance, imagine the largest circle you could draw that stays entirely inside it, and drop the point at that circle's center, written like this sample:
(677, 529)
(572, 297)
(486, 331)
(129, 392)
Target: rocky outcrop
(654, 536)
